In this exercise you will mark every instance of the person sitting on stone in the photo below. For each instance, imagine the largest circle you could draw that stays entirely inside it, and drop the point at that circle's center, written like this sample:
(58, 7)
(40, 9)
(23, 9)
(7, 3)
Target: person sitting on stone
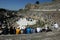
(14, 30)
(48, 29)
(32, 30)
(28, 30)
(38, 29)
(0, 30)
(18, 31)
(56, 25)
(11, 30)
(5, 30)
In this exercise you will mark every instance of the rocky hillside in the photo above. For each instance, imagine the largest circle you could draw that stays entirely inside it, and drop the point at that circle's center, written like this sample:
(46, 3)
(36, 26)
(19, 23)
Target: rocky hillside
(12, 16)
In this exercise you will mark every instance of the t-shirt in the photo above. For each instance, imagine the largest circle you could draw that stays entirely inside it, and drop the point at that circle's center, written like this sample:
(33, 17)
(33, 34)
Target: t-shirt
(56, 25)
(38, 29)
(18, 31)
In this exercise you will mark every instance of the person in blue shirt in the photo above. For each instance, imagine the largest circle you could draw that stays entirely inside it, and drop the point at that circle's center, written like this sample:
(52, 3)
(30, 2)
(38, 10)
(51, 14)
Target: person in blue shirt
(32, 30)
(28, 30)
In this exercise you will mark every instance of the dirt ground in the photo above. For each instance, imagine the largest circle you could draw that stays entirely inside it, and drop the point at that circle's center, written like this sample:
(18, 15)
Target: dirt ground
(54, 35)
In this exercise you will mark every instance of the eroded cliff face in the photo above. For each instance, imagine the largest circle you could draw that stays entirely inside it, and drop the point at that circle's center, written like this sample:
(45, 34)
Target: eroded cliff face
(53, 16)
(50, 16)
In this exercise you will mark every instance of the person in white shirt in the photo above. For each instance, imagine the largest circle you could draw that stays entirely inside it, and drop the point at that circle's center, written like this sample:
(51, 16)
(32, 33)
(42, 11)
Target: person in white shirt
(56, 25)
(46, 26)
(38, 29)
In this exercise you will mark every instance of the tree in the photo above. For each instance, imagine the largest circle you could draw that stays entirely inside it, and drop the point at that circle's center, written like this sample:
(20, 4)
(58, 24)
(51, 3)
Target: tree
(37, 2)
(1, 9)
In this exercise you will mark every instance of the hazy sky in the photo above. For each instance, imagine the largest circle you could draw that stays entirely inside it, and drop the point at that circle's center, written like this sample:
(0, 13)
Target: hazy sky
(17, 4)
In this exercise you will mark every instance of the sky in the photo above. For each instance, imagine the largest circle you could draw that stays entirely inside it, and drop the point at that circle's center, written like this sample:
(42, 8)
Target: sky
(18, 4)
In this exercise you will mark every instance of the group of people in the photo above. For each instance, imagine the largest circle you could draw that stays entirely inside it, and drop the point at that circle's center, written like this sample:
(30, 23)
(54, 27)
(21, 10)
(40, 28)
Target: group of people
(27, 30)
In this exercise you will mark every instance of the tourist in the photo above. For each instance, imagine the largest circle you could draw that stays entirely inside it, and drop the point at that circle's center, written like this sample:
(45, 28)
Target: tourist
(38, 29)
(18, 31)
(23, 29)
(56, 25)
(46, 26)
(48, 29)
(0, 30)
(28, 30)
(32, 30)
(5, 30)
(11, 30)
(14, 30)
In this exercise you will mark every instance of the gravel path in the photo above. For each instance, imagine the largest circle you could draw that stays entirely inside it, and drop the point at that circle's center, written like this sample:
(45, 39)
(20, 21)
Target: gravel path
(55, 35)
